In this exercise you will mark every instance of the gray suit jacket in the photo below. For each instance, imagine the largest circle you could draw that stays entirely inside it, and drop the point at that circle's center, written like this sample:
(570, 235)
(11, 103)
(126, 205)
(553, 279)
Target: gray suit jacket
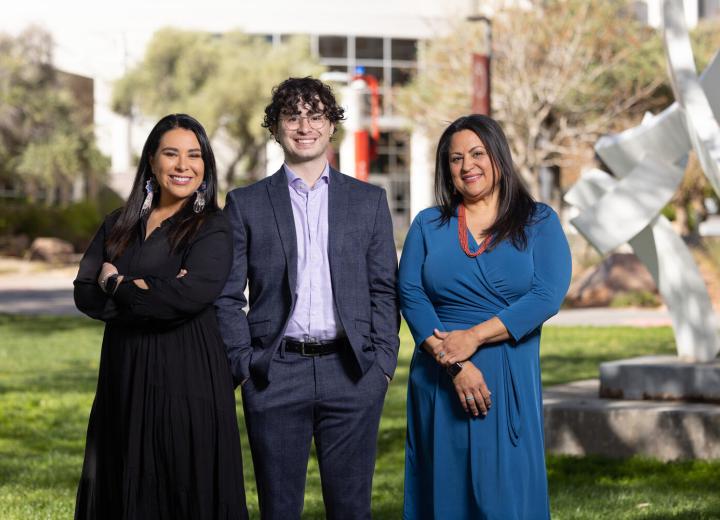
(363, 268)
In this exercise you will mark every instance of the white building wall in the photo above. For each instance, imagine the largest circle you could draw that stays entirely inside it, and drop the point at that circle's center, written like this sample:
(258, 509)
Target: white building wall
(422, 172)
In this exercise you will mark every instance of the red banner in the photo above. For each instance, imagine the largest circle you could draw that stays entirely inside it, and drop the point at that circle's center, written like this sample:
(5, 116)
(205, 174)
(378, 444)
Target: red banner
(481, 84)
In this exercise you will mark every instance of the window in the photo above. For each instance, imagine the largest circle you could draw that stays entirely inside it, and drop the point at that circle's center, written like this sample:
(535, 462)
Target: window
(332, 47)
(405, 50)
(376, 72)
(401, 75)
(390, 170)
(369, 48)
(392, 61)
(393, 153)
(337, 68)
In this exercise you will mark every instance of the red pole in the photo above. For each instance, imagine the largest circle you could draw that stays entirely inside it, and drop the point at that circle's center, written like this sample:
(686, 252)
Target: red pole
(481, 84)
(362, 155)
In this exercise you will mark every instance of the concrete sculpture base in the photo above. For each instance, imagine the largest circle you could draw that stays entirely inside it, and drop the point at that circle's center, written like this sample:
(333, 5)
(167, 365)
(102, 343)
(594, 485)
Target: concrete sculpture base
(578, 422)
(661, 378)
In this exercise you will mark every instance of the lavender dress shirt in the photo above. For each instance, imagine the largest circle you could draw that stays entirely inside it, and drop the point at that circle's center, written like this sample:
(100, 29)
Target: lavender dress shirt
(314, 317)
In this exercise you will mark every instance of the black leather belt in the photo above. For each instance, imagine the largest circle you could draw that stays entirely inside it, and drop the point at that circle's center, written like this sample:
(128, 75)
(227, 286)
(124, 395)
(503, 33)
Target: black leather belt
(315, 348)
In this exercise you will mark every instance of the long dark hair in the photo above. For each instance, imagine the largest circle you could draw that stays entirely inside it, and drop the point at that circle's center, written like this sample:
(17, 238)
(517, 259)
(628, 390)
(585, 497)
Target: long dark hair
(516, 206)
(185, 222)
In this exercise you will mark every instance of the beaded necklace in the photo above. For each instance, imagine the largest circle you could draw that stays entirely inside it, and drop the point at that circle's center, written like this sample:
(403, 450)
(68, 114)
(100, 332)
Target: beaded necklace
(463, 236)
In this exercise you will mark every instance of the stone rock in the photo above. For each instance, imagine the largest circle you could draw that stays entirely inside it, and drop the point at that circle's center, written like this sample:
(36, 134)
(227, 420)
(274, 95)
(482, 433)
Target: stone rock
(14, 245)
(661, 378)
(53, 250)
(578, 422)
(618, 273)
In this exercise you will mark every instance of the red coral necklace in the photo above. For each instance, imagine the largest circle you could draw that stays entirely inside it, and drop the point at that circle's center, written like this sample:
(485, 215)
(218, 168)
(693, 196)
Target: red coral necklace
(463, 235)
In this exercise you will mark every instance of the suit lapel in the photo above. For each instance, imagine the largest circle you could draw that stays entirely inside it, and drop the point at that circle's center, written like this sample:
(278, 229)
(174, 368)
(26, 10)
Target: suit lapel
(280, 200)
(338, 200)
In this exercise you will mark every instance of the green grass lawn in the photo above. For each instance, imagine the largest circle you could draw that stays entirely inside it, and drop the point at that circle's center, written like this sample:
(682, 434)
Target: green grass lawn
(48, 370)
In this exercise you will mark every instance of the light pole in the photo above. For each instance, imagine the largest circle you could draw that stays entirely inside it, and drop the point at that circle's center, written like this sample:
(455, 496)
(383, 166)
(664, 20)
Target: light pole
(481, 103)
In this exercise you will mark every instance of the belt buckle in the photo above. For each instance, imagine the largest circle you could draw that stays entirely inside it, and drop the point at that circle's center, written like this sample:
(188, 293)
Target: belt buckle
(308, 339)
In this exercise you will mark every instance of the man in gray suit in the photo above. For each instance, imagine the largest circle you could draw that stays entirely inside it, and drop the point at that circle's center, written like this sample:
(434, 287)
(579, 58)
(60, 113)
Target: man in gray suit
(319, 344)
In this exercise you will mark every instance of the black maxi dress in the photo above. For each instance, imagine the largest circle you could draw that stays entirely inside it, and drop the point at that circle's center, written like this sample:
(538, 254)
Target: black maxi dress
(162, 441)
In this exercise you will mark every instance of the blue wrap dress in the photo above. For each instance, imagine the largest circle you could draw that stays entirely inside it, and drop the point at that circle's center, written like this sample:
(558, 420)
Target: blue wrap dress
(458, 466)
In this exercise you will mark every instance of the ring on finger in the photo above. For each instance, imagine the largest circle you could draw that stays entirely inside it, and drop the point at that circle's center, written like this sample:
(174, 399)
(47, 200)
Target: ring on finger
(441, 354)
(469, 398)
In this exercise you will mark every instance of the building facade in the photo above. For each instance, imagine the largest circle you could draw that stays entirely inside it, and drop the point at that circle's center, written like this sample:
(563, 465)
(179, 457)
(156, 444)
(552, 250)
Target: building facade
(382, 36)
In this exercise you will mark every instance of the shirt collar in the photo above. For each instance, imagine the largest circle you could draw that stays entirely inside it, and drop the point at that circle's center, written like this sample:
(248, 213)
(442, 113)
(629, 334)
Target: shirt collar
(299, 185)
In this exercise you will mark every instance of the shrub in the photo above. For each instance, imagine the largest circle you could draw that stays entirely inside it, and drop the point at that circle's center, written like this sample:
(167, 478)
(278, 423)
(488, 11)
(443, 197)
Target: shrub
(636, 299)
(75, 223)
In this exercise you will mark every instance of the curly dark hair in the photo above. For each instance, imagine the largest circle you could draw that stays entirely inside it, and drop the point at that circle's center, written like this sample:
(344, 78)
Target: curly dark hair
(293, 91)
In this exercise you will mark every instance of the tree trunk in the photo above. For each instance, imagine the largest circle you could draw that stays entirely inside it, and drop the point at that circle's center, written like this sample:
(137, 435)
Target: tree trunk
(230, 171)
(530, 179)
(65, 189)
(681, 223)
(92, 188)
(550, 191)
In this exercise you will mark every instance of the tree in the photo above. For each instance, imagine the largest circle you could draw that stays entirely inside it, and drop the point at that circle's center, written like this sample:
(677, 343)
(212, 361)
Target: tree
(564, 73)
(46, 137)
(224, 81)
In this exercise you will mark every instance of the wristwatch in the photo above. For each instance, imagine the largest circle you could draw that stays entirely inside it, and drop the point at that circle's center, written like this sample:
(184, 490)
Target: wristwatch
(111, 284)
(454, 369)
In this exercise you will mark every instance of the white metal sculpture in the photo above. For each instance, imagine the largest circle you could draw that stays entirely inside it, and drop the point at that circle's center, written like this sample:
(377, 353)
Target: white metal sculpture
(649, 162)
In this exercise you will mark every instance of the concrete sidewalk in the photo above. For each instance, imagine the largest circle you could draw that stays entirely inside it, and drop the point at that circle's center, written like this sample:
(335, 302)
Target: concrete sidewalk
(29, 288)
(606, 316)
(35, 289)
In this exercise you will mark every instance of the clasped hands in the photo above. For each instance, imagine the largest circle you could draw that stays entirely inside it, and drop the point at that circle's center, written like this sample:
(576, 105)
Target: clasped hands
(457, 346)
(453, 346)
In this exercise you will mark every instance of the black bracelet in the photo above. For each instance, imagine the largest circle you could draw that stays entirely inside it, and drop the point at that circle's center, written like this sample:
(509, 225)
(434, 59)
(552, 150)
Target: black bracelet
(454, 369)
(111, 284)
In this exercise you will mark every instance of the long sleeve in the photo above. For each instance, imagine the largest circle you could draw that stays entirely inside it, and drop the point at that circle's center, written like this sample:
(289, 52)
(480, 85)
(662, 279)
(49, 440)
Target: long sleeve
(551, 279)
(415, 304)
(231, 302)
(174, 300)
(89, 298)
(382, 275)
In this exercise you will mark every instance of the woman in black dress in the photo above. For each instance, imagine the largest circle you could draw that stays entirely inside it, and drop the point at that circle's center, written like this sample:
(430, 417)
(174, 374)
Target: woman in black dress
(163, 440)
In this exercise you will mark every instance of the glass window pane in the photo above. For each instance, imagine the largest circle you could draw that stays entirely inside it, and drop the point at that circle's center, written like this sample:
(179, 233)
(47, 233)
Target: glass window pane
(401, 163)
(404, 50)
(402, 75)
(399, 140)
(337, 68)
(369, 48)
(380, 164)
(332, 46)
(376, 72)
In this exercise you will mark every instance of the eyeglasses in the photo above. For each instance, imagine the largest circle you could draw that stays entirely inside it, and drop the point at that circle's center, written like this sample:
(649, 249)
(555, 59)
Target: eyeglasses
(316, 121)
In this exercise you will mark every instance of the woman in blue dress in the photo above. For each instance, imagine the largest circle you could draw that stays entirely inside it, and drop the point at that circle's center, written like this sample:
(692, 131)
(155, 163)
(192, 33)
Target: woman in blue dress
(479, 275)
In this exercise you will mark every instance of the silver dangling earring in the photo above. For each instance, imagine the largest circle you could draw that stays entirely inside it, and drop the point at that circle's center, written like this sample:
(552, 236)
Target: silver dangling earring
(147, 203)
(199, 204)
